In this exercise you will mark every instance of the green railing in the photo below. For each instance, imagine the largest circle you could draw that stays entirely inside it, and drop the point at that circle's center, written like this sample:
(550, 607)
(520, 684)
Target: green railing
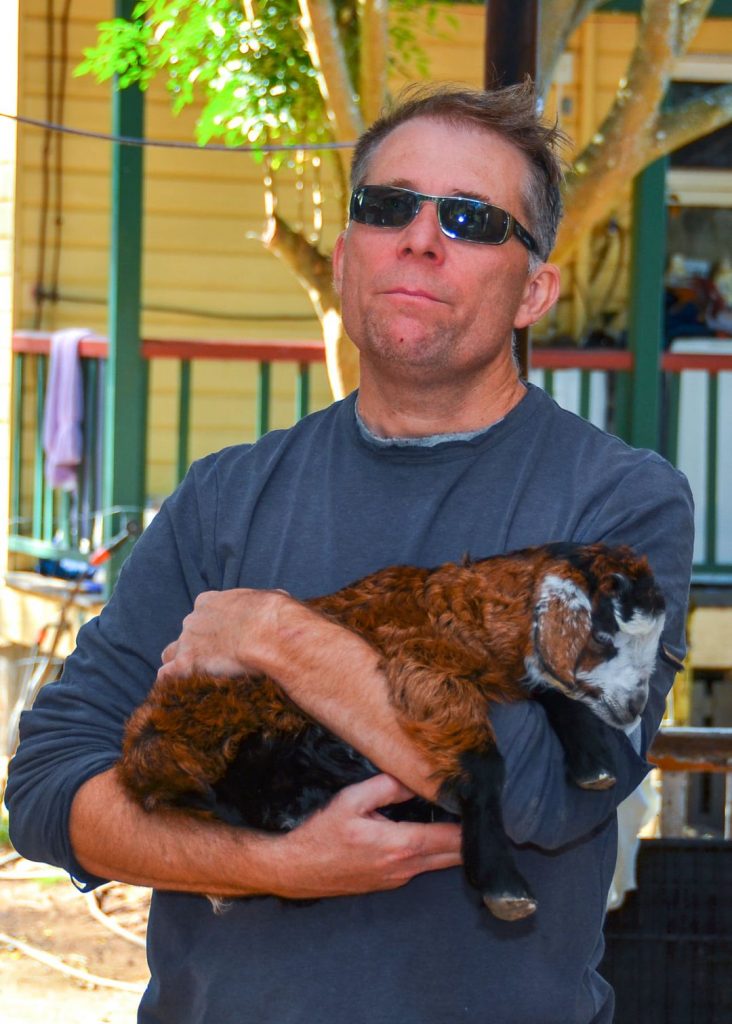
(697, 422)
(50, 524)
(45, 522)
(596, 384)
(187, 353)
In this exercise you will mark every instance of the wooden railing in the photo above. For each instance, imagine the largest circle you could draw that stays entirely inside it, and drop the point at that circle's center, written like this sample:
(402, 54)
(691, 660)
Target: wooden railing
(302, 353)
(51, 524)
(698, 426)
(680, 750)
(596, 384)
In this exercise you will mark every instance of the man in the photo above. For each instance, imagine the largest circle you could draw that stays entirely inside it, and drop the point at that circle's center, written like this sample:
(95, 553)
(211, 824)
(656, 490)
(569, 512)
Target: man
(444, 450)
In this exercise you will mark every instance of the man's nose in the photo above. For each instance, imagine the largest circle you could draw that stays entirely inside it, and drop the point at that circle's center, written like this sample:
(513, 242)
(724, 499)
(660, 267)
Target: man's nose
(423, 235)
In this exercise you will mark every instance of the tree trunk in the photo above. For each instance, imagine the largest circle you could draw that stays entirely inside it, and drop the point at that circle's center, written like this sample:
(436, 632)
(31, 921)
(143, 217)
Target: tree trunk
(313, 271)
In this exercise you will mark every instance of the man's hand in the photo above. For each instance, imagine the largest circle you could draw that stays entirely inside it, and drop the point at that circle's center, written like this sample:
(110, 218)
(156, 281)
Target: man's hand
(329, 671)
(230, 632)
(346, 848)
(350, 848)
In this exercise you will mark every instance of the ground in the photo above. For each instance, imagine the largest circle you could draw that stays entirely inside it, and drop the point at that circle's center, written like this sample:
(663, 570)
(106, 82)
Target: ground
(47, 913)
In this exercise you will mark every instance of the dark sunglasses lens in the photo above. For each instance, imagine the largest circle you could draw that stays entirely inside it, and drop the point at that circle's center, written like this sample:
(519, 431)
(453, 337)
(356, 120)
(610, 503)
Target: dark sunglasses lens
(473, 221)
(383, 207)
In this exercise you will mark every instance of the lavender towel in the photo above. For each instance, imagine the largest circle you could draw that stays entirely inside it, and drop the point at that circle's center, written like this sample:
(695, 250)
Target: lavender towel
(64, 409)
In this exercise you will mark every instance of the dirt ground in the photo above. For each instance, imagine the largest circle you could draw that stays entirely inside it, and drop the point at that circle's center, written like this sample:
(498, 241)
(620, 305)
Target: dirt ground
(42, 909)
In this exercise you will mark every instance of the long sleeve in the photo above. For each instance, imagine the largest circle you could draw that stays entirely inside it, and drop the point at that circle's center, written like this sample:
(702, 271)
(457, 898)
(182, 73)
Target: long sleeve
(652, 511)
(74, 730)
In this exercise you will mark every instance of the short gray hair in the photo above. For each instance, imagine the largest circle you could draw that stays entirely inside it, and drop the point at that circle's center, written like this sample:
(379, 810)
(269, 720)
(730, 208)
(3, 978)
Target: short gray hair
(510, 113)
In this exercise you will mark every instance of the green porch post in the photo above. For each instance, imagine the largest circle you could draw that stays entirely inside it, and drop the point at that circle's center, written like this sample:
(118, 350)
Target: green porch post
(126, 381)
(645, 323)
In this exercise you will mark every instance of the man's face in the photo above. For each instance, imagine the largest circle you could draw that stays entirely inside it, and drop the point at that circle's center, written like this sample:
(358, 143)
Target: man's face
(414, 299)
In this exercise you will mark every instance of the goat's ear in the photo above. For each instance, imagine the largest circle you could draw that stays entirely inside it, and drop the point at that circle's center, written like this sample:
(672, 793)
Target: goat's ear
(562, 626)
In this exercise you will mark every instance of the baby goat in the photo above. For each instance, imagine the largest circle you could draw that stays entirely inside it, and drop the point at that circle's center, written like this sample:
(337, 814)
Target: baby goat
(553, 622)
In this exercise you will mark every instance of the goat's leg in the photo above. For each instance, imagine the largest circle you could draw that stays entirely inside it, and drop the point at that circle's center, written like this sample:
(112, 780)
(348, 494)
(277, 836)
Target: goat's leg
(584, 737)
(445, 714)
(181, 741)
(487, 856)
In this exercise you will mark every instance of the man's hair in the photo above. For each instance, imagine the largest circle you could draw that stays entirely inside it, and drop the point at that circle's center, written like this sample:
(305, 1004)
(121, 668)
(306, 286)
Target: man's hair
(510, 113)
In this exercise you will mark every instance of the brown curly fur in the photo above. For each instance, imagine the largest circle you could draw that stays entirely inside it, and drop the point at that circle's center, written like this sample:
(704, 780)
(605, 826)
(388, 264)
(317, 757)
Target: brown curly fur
(453, 639)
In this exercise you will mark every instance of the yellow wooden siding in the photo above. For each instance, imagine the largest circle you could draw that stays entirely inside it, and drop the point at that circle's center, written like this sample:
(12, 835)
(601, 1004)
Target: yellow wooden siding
(200, 209)
(8, 103)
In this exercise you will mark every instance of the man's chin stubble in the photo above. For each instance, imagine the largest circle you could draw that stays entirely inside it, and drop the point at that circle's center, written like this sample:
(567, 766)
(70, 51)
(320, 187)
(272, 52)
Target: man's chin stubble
(431, 351)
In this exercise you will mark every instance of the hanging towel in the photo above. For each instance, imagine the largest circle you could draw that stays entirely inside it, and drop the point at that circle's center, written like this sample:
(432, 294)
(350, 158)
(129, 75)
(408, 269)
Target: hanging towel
(64, 409)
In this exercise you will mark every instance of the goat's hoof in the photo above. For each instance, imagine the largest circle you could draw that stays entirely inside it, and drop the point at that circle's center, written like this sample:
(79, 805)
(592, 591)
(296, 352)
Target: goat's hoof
(601, 779)
(510, 908)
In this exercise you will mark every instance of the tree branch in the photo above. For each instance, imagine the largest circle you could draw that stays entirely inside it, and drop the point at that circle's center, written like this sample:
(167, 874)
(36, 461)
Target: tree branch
(325, 48)
(691, 15)
(620, 147)
(559, 19)
(311, 268)
(692, 120)
(373, 19)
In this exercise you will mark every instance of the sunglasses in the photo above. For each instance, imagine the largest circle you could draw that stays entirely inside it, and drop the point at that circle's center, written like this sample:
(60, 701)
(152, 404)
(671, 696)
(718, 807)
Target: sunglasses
(469, 220)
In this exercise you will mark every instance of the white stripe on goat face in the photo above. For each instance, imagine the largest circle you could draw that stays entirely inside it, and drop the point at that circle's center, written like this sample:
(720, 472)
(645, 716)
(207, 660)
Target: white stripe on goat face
(572, 597)
(613, 684)
(622, 681)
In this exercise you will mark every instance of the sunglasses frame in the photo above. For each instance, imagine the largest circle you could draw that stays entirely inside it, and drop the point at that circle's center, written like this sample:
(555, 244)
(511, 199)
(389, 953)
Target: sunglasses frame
(513, 227)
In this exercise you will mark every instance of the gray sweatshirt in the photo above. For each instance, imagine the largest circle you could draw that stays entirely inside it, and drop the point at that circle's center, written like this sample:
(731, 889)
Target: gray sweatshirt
(309, 510)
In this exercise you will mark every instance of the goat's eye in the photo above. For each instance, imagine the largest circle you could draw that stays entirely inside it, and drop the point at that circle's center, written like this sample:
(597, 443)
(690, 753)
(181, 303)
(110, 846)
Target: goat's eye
(601, 643)
(621, 584)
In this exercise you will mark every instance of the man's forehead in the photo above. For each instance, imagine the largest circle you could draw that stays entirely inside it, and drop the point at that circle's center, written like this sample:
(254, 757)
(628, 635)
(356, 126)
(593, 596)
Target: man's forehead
(465, 156)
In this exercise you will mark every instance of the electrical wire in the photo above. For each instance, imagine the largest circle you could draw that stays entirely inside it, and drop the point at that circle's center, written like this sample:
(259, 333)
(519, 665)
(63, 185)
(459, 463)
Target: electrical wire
(130, 140)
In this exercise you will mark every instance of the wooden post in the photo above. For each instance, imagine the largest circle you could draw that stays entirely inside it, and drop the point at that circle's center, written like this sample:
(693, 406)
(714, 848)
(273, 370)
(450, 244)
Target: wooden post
(126, 379)
(645, 318)
(674, 786)
(512, 53)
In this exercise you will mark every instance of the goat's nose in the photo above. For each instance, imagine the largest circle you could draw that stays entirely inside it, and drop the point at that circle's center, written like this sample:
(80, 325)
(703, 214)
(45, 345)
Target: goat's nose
(636, 705)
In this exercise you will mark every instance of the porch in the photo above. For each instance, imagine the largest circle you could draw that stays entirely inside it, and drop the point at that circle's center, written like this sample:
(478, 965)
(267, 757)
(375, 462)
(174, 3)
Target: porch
(693, 394)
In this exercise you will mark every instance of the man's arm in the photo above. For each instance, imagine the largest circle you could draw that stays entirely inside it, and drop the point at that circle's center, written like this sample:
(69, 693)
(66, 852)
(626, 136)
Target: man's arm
(66, 807)
(345, 849)
(333, 675)
(329, 672)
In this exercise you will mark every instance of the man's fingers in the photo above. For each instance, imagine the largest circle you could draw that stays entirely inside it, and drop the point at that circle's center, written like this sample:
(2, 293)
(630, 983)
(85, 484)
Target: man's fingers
(169, 652)
(378, 791)
(438, 840)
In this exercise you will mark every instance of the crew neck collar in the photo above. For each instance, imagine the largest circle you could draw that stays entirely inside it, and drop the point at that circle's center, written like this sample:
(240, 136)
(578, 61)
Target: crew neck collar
(418, 442)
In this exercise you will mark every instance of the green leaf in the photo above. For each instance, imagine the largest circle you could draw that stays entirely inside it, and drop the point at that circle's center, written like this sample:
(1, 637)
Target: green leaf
(253, 80)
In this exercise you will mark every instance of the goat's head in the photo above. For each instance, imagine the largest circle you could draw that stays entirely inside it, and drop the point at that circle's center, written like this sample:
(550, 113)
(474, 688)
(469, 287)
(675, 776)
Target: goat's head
(598, 618)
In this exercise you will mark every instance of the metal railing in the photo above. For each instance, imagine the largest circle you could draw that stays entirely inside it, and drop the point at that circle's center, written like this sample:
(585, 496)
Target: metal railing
(596, 384)
(680, 750)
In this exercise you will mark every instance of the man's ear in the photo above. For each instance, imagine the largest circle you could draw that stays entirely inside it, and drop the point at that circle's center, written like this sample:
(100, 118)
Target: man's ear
(540, 294)
(337, 262)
